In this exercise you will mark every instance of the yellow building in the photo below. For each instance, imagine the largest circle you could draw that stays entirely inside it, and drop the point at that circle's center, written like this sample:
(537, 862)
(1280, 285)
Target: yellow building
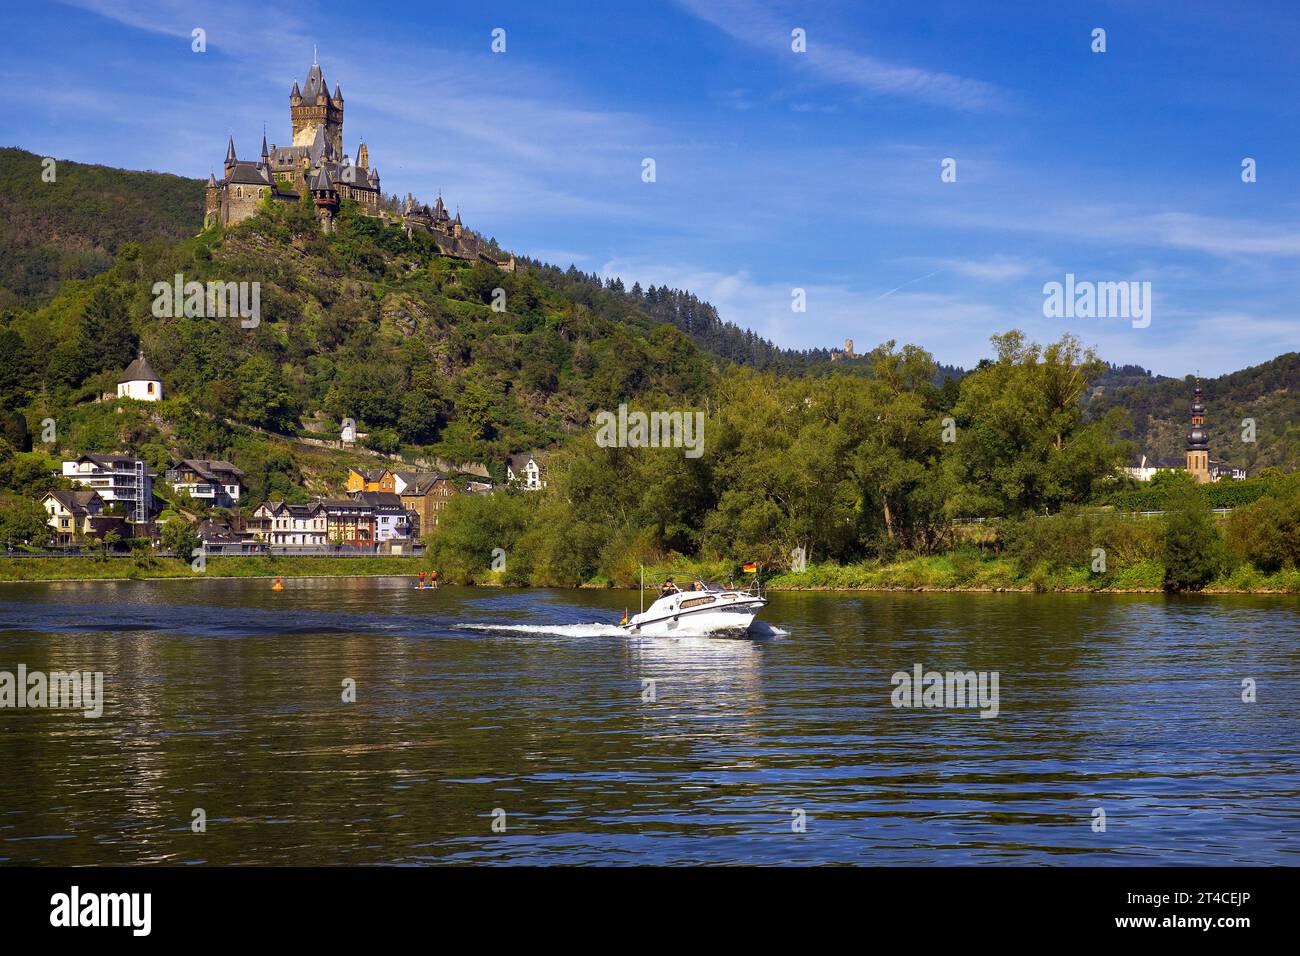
(370, 479)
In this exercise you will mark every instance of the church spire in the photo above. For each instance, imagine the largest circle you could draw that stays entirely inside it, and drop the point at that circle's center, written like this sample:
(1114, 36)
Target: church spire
(1198, 440)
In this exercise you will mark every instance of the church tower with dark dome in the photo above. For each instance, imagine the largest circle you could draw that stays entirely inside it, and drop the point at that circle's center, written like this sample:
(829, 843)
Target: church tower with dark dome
(1198, 441)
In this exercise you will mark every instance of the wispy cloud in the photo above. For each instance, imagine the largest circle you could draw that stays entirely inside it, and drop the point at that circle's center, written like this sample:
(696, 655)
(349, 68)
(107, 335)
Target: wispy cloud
(505, 138)
(755, 25)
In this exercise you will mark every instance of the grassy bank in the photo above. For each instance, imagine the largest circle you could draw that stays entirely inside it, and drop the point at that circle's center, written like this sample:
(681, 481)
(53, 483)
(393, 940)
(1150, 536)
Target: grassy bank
(90, 569)
(958, 571)
(949, 572)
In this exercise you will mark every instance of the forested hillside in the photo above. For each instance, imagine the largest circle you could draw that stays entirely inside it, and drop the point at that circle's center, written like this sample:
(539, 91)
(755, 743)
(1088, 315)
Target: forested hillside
(371, 325)
(1160, 410)
(365, 324)
(72, 227)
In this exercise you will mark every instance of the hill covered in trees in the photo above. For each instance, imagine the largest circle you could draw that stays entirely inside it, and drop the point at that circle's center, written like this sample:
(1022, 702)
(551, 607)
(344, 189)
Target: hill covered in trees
(365, 324)
(1160, 410)
(73, 226)
(373, 325)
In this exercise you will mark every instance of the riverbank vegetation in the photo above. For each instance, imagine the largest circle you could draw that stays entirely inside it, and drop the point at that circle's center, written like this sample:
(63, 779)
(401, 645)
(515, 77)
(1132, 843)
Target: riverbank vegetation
(145, 565)
(886, 480)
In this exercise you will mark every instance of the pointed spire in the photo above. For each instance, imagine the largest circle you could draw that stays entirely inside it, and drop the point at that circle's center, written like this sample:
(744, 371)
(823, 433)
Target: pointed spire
(265, 155)
(212, 180)
(230, 150)
(338, 93)
(296, 92)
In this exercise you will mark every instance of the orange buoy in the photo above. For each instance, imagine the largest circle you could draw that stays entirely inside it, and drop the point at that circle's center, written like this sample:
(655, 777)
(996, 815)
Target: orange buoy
(278, 585)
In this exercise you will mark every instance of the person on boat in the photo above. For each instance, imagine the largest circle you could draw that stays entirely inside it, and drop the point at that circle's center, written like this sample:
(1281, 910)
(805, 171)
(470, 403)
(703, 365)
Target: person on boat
(421, 584)
(669, 588)
(699, 586)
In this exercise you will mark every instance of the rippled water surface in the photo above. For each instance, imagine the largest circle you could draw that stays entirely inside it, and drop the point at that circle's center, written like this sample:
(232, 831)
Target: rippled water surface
(227, 696)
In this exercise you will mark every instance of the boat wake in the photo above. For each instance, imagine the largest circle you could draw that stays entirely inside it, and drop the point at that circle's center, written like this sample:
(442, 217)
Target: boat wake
(556, 630)
(757, 629)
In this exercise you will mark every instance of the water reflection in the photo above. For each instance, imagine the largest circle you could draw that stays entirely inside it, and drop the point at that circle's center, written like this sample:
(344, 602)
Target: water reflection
(227, 696)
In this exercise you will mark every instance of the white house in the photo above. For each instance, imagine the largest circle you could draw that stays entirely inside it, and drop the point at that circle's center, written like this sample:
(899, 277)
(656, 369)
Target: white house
(116, 478)
(279, 524)
(218, 483)
(140, 382)
(525, 471)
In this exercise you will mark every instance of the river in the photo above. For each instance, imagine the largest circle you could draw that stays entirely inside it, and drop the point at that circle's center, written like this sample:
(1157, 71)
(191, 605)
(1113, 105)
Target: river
(521, 727)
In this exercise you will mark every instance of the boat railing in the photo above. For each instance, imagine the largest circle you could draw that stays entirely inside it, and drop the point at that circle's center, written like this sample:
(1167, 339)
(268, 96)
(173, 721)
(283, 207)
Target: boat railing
(657, 579)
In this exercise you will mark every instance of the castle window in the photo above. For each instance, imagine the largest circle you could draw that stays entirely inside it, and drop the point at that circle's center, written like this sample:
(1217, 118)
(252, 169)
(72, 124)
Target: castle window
(239, 192)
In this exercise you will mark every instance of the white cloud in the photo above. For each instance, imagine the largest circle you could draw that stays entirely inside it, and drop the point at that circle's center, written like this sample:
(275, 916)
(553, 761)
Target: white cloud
(756, 26)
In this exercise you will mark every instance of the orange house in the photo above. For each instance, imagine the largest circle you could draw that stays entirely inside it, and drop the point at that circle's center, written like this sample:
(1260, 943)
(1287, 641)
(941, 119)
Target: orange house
(370, 479)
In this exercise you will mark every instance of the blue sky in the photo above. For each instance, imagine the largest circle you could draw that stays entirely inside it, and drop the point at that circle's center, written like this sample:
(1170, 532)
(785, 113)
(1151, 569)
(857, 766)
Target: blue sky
(774, 170)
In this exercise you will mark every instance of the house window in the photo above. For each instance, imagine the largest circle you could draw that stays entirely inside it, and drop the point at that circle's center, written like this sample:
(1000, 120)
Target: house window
(151, 388)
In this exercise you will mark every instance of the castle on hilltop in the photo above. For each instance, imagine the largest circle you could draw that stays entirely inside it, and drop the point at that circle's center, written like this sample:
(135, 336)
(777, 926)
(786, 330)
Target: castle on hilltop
(316, 166)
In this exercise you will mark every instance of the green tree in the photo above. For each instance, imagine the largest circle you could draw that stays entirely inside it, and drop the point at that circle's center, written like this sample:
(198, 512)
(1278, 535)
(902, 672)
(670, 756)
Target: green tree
(179, 538)
(32, 475)
(1022, 444)
(109, 342)
(108, 544)
(22, 521)
(1267, 532)
(264, 398)
(1193, 547)
(17, 371)
(6, 462)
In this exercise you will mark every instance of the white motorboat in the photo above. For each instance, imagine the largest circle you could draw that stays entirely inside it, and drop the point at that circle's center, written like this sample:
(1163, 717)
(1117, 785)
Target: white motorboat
(698, 610)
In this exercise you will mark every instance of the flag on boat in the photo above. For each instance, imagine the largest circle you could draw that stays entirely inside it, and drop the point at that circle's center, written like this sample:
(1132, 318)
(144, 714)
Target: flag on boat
(624, 621)
(751, 568)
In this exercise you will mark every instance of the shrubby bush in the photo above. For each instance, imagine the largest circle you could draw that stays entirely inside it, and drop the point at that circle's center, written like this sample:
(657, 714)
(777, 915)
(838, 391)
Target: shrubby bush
(1267, 532)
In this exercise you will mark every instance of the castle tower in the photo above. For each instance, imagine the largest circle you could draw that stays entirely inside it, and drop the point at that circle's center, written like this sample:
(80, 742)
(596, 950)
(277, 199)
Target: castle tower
(230, 156)
(312, 108)
(363, 156)
(326, 200)
(1198, 441)
(211, 201)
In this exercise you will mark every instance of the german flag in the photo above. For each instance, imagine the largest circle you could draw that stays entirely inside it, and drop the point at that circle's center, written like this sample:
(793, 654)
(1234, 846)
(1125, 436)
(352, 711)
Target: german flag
(750, 568)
